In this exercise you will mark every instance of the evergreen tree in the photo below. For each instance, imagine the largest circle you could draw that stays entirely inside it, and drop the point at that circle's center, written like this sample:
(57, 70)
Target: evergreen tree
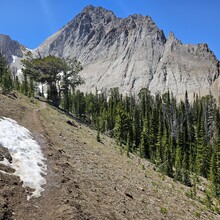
(6, 82)
(31, 88)
(144, 146)
(178, 166)
(167, 166)
(122, 126)
(17, 84)
(137, 126)
(48, 70)
(215, 169)
(24, 85)
(5, 76)
(70, 80)
(153, 131)
(3, 67)
(159, 139)
(79, 104)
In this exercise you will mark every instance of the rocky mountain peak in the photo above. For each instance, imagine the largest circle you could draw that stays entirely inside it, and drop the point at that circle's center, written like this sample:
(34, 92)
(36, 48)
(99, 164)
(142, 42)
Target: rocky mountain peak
(97, 14)
(88, 8)
(4, 37)
(10, 48)
(171, 37)
(91, 9)
(132, 53)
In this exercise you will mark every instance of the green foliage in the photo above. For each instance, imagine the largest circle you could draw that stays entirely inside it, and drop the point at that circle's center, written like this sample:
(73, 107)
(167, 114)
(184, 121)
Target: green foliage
(214, 174)
(5, 76)
(144, 146)
(121, 125)
(180, 138)
(178, 166)
(7, 83)
(48, 70)
(79, 104)
(17, 84)
(208, 199)
(3, 67)
(163, 210)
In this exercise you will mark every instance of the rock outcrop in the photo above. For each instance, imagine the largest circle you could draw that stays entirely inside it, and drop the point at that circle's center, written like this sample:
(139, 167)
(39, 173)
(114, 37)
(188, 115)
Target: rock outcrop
(11, 48)
(185, 67)
(14, 52)
(114, 52)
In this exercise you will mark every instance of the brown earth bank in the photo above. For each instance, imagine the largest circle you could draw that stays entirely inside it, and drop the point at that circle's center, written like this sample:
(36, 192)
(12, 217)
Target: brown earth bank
(87, 179)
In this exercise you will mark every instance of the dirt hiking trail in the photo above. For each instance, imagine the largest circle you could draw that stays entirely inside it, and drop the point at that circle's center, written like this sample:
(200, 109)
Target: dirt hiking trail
(87, 179)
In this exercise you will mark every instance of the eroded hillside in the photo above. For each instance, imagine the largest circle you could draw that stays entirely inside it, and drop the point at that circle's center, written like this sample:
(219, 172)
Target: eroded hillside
(87, 179)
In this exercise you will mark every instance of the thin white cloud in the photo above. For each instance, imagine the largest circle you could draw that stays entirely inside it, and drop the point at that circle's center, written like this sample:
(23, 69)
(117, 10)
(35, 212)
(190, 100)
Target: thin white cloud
(48, 13)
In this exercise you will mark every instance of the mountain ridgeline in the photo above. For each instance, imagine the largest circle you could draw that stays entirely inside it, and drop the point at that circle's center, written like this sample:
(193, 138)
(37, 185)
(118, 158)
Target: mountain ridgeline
(10, 48)
(129, 53)
(133, 53)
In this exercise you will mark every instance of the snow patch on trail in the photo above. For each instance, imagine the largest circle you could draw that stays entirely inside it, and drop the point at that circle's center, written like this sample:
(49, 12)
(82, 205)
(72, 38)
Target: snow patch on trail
(27, 158)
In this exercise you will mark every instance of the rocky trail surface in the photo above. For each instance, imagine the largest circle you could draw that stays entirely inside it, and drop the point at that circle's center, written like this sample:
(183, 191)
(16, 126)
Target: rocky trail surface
(87, 179)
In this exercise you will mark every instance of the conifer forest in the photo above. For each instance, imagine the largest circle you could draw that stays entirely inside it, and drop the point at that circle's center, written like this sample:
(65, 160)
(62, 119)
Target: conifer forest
(181, 137)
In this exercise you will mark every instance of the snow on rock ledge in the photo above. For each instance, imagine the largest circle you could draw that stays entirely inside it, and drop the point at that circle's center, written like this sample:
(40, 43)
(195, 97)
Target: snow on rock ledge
(27, 158)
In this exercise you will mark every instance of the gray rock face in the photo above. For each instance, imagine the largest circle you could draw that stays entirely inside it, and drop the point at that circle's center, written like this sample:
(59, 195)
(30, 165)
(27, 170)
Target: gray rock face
(185, 67)
(10, 48)
(132, 53)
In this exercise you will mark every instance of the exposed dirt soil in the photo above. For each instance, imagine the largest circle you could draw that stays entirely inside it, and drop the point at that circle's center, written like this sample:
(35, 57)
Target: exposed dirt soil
(87, 179)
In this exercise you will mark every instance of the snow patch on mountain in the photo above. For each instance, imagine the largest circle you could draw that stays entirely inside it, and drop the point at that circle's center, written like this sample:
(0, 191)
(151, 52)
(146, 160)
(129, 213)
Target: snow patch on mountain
(14, 58)
(27, 158)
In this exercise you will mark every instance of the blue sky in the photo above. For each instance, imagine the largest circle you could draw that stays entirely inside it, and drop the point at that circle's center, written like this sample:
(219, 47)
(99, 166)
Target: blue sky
(30, 22)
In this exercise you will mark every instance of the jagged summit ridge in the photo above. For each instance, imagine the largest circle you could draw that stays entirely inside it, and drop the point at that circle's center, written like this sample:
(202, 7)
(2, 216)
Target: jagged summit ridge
(10, 48)
(132, 53)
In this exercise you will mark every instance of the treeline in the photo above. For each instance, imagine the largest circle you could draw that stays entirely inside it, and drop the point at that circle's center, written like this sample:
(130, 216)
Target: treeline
(181, 138)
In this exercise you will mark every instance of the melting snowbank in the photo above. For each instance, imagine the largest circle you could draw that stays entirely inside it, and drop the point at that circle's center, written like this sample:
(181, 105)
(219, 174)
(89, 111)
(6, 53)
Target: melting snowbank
(27, 158)
(14, 58)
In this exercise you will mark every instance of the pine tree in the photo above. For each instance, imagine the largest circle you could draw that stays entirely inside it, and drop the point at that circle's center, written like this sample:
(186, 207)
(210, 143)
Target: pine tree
(153, 131)
(3, 67)
(79, 104)
(168, 153)
(186, 154)
(31, 88)
(16, 84)
(6, 82)
(122, 125)
(137, 127)
(5, 76)
(129, 144)
(215, 169)
(178, 165)
(48, 70)
(159, 141)
(113, 104)
(144, 146)
(199, 142)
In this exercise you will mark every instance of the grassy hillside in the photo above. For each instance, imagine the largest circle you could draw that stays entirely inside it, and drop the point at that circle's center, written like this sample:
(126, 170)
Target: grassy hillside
(87, 179)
